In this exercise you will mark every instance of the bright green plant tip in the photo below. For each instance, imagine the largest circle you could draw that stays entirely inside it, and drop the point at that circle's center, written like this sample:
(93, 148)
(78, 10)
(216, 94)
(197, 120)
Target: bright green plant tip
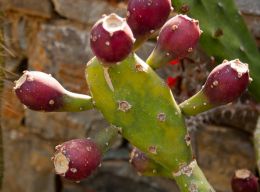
(74, 102)
(106, 138)
(196, 104)
(225, 35)
(132, 97)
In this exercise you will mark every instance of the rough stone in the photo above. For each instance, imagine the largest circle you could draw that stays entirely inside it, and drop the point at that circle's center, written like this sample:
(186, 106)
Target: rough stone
(220, 151)
(249, 6)
(12, 109)
(124, 179)
(253, 24)
(62, 50)
(27, 161)
(63, 126)
(86, 11)
(145, 50)
(41, 8)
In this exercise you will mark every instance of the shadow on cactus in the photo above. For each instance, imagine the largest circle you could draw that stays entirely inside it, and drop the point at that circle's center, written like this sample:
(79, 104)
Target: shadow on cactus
(137, 103)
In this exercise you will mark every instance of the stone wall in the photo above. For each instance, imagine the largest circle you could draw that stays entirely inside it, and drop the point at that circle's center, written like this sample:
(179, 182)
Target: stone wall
(53, 36)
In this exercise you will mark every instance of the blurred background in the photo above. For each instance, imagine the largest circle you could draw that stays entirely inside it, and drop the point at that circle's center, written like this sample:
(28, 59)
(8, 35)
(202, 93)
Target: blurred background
(53, 36)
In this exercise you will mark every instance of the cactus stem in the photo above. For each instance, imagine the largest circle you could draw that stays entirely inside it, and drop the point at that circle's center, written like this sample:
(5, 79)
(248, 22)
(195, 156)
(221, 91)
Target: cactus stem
(193, 179)
(196, 104)
(185, 169)
(157, 58)
(105, 139)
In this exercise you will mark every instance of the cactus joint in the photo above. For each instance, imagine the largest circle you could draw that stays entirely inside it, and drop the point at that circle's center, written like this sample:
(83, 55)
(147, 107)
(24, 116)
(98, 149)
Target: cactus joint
(185, 169)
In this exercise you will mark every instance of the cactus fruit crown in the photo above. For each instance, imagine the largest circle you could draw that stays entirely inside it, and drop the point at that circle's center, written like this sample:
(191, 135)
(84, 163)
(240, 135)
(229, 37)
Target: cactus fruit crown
(242, 173)
(244, 181)
(134, 99)
(61, 164)
(111, 39)
(76, 159)
(113, 23)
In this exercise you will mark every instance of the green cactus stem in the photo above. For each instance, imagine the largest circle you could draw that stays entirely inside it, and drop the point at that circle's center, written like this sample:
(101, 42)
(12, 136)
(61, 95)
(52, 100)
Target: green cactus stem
(74, 102)
(225, 34)
(148, 167)
(106, 138)
(135, 99)
(196, 104)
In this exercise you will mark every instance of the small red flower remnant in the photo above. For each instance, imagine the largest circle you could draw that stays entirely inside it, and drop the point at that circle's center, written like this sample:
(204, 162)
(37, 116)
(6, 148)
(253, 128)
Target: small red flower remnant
(171, 81)
(174, 62)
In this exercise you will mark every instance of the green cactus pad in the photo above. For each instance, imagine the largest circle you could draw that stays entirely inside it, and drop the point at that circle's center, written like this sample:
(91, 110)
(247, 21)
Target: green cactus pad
(133, 98)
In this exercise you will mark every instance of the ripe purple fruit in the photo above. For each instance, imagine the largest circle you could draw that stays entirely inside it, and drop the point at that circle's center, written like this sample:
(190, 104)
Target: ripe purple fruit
(146, 16)
(244, 181)
(226, 82)
(40, 91)
(111, 39)
(77, 159)
(177, 38)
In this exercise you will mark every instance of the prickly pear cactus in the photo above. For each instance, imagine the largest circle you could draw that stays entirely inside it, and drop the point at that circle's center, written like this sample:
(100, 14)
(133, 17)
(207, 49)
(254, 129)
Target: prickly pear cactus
(134, 99)
(225, 35)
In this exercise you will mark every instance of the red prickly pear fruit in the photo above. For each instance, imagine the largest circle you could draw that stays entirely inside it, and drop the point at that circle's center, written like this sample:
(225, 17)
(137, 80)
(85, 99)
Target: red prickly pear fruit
(77, 159)
(111, 39)
(244, 181)
(171, 81)
(146, 16)
(226, 82)
(177, 38)
(39, 91)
